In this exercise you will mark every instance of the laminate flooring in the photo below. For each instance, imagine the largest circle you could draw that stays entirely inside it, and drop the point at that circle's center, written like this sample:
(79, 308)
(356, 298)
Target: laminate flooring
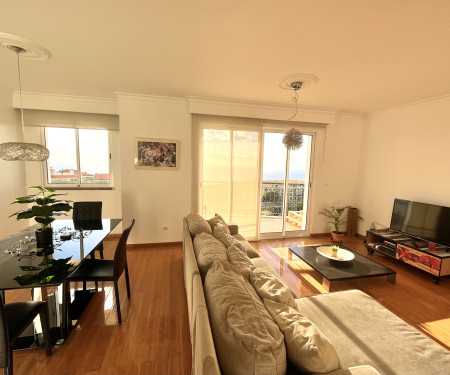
(154, 335)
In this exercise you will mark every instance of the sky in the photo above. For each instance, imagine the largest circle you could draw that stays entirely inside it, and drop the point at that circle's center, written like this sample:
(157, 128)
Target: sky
(93, 146)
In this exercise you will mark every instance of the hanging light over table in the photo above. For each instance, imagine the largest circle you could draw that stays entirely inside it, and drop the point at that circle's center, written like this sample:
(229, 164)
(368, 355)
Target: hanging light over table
(24, 151)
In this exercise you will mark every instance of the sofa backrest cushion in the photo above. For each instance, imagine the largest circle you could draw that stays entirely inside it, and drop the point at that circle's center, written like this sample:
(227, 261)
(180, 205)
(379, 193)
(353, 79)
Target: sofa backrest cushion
(208, 249)
(240, 261)
(307, 347)
(197, 224)
(247, 339)
(270, 287)
(218, 219)
(226, 239)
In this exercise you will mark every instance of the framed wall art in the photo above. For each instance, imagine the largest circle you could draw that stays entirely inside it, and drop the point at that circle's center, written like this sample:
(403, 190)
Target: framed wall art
(157, 153)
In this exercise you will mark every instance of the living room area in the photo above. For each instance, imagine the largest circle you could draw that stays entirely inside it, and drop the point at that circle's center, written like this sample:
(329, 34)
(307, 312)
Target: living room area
(215, 81)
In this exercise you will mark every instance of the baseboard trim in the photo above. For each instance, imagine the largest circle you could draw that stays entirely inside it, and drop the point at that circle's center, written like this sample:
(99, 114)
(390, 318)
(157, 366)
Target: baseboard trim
(357, 235)
(153, 245)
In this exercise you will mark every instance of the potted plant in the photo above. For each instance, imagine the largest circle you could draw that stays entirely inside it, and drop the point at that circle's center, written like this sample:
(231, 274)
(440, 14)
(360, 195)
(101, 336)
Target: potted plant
(44, 209)
(334, 251)
(335, 214)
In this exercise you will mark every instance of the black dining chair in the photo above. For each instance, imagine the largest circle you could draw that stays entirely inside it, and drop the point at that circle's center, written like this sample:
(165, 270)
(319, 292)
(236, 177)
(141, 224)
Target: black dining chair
(14, 319)
(102, 270)
(85, 215)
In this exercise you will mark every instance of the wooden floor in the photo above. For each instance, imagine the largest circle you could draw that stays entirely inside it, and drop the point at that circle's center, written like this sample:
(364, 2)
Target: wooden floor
(154, 337)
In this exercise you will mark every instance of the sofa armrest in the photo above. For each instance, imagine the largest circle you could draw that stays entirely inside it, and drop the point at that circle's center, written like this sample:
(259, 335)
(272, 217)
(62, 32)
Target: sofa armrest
(234, 228)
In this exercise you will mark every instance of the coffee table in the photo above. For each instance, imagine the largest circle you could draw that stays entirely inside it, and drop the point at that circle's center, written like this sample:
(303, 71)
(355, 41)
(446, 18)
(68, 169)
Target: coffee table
(334, 270)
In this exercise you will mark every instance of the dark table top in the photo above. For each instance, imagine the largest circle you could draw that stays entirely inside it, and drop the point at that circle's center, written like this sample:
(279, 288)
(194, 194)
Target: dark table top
(334, 270)
(38, 265)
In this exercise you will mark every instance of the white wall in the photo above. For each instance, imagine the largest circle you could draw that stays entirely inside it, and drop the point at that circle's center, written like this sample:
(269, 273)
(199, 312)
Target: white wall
(337, 165)
(13, 172)
(405, 154)
(154, 198)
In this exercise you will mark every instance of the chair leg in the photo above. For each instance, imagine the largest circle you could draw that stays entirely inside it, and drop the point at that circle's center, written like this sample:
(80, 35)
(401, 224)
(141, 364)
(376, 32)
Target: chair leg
(116, 291)
(46, 329)
(9, 370)
(100, 250)
(127, 280)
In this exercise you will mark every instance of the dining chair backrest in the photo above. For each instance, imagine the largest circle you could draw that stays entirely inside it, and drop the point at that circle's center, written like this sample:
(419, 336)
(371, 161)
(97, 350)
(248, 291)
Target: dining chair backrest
(4, 340)
(120, 257)
(87, 210)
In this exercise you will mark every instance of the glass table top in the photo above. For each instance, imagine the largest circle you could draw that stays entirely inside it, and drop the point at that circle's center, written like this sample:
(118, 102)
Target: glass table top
(334, 270)
(25, 264)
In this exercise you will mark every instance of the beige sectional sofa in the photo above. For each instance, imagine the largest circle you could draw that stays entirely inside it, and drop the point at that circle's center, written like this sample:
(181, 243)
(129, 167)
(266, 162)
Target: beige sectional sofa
(244, 320)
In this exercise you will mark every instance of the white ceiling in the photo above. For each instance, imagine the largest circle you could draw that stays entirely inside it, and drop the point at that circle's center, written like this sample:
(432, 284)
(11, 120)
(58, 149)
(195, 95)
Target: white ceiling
(369, 55)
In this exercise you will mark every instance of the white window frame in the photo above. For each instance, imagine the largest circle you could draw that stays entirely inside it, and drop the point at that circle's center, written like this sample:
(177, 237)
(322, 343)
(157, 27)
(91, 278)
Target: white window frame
(78, 185)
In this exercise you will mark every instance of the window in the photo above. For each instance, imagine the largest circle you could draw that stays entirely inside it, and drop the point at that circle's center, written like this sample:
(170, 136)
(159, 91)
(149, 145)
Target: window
(78, 157)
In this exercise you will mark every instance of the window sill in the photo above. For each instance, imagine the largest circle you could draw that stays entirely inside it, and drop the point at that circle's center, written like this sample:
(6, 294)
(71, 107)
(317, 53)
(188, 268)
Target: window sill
(79, 188)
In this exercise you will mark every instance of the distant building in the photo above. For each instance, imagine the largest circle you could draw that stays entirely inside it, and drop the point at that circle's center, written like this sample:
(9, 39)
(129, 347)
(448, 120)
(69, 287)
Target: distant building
(273, 196)
(70, 176)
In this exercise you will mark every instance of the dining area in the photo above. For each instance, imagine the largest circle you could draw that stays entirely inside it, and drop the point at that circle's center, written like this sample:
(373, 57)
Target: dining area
(46, 286)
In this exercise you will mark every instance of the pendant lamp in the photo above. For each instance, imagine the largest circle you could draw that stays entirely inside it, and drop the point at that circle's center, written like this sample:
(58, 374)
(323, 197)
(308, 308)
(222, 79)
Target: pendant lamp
(24, 151)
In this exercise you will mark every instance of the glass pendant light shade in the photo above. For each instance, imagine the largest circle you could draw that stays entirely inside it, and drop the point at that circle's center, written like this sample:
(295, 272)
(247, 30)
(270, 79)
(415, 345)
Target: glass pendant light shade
(12, 151)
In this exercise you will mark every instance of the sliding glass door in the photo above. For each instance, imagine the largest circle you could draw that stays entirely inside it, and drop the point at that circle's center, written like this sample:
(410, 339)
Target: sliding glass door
(284, 188)
(229, 182)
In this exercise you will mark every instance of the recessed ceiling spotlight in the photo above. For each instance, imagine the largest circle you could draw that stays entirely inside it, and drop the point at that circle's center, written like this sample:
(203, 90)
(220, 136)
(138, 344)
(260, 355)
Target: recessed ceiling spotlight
(30, 50)
(305, 80)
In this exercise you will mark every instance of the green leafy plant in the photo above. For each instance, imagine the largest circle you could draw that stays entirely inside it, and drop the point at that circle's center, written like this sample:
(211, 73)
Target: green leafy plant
(45, 206)
(335, 214)
(334, 248)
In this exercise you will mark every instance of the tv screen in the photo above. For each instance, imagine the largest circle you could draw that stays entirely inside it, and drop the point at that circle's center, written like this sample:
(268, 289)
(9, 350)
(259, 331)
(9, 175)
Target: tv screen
(423, 220)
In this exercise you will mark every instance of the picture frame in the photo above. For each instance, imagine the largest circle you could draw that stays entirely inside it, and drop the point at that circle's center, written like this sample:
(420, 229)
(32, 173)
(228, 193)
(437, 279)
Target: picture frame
(156, 153)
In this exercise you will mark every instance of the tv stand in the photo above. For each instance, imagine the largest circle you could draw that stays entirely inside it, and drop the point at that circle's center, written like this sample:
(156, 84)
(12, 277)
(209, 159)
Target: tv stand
(411, 250)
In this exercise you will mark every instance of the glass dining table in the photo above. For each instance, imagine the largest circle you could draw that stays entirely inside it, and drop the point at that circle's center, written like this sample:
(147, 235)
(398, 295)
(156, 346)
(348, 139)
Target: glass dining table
(43, 268)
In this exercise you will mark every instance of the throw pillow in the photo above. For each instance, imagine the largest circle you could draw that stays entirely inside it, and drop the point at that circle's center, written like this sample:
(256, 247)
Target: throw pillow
(227, 239)
(270, 287)
(246, 337)
(208, 249)
(197, 224)
(218, 219)
(240, 261)
(307, 347)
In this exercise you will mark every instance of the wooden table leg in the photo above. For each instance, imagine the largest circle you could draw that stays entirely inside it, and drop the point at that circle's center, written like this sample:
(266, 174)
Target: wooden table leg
(326, 284)
(391, 278)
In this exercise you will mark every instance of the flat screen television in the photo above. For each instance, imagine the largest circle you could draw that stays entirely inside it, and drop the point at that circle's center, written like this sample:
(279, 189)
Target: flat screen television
(427, 221)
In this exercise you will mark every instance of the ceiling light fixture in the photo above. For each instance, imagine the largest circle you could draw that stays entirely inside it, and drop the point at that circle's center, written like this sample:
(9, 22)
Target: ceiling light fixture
(11, 151)
(293, 139)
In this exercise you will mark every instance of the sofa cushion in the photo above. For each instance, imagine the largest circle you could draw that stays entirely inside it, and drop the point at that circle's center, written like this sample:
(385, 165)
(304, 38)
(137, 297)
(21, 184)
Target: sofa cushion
(218, 219)
(197, 224)
(248, 248)
(365, 333)
(240, 261)
(246, 337)
(208, 249)
(307, 348)
(270, 287)
(226, 238)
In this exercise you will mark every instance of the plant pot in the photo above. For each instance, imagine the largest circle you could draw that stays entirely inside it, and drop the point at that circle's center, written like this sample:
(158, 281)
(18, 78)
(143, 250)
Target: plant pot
(337, 236)
(44, 236)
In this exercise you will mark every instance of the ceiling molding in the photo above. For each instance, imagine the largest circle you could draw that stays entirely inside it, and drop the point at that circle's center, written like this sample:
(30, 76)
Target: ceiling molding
(152, 98)
(266, 111)
(411, 105)
(67, 103)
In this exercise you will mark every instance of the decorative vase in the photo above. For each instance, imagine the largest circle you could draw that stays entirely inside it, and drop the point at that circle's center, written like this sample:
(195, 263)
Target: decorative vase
(337, 236)
(44, 236)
